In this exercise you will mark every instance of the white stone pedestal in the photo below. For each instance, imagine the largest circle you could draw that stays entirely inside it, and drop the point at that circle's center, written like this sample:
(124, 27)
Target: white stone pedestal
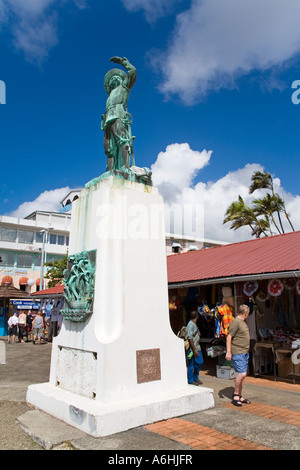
(123, 367)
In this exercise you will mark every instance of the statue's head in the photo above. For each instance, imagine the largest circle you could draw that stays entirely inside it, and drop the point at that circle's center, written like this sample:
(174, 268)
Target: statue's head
(113, 78)
(114, 82)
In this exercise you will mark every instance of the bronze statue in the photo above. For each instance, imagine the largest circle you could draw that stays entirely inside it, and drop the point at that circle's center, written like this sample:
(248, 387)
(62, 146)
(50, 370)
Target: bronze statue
(116, 122)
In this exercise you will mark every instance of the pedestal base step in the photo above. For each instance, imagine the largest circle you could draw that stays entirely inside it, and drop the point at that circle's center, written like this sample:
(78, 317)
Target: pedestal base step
(97, 419)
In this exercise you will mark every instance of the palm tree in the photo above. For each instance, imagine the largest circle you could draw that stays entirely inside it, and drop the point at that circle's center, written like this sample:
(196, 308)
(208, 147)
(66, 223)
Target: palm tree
(240, 215)
(262, 227)
(266, 206)
(259, 217)
(263, 180)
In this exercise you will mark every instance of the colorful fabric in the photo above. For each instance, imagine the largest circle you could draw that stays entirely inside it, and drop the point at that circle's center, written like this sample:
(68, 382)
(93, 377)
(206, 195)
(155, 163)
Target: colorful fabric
(226, 318)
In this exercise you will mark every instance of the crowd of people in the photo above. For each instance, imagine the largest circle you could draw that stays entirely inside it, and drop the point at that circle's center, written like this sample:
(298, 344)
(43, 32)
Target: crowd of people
(25, 326)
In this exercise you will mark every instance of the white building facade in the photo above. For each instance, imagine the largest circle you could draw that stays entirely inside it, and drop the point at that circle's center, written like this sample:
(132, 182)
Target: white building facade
(24, 242)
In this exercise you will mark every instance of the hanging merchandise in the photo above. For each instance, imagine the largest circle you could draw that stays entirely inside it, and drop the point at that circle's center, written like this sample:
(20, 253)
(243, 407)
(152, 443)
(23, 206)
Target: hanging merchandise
(250, 303)
(217, 317)
(261, 296)
(260, 315)
(206, 312)
(275, 287)
(226, 319)
(298, 286)
(227, 296)
(290, 284)
(250, 288)
(172, 303)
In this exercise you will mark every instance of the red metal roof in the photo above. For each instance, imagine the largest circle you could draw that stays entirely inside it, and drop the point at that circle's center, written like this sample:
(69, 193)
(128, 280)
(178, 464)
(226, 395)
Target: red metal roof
(52, 290)
(274, 254)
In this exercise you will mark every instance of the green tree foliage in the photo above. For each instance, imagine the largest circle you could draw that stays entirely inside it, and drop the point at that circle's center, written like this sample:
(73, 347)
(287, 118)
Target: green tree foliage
(56, 272)
(266, 213)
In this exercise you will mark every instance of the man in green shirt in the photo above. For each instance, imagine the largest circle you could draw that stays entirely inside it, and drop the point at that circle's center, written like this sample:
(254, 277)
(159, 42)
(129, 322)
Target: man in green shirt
(237, 345)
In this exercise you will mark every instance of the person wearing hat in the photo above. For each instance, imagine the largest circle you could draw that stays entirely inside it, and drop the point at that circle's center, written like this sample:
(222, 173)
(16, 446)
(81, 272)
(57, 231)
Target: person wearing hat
(115, 122)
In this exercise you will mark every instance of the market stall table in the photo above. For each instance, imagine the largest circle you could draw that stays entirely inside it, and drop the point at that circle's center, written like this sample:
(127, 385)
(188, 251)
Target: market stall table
(264, 363)
(286, 366)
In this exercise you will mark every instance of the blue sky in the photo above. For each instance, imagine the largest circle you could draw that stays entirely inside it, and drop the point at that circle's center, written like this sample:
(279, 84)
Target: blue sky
(212, 101)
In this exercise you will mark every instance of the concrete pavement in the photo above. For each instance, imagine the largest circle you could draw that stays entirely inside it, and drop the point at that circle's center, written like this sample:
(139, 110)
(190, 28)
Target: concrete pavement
(271, 421)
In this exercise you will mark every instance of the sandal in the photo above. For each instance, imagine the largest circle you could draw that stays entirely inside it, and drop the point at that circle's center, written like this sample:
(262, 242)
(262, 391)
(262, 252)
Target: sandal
(236, 402)
(245, 401)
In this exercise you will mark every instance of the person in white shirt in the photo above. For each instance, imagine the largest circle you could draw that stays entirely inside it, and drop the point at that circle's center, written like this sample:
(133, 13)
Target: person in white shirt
(12, 328)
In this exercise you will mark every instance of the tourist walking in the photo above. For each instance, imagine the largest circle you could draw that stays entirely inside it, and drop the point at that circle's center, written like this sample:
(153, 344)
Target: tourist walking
(29, 321)
(12, 328)
(237, 351)
(194, 353)
(38, 326)
(22, 325)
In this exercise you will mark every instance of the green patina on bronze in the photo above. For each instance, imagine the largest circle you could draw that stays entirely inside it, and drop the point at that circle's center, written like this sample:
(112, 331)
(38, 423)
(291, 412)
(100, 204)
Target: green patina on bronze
(138, 175)
(116, 124)
(79, 281)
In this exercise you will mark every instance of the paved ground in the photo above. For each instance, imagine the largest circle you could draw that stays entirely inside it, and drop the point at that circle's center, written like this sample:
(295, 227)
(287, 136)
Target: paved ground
(270, 422)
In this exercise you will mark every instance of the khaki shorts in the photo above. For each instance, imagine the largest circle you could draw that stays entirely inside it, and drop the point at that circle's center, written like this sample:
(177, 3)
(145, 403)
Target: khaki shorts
(37, 332)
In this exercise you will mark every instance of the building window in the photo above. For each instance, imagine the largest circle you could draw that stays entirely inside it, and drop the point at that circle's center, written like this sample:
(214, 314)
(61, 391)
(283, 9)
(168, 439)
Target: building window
(52, 258)
(52, 239)
(37, 260)
(8, 234)
(60, 239)
(8, 258)
(39, 237)
(24, 261)
(25, 236)
(67, 240)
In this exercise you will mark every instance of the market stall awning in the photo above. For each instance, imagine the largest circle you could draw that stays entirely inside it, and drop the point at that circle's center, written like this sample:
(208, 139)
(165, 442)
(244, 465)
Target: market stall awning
(10, 292)
(7, 281)
(253, 259)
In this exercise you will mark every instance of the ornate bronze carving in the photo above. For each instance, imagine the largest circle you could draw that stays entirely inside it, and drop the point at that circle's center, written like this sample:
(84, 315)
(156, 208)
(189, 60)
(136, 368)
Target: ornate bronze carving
(79, 280)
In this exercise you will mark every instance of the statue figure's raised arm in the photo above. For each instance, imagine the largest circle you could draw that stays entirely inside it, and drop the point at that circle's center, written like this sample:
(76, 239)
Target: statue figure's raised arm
(130, 79)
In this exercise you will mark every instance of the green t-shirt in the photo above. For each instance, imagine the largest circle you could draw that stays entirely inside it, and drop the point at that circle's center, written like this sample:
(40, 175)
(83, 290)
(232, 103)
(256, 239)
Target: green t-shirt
(239, 331)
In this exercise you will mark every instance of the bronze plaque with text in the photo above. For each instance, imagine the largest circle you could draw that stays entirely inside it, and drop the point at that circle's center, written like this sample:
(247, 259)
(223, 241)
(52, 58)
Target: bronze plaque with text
(148, 365)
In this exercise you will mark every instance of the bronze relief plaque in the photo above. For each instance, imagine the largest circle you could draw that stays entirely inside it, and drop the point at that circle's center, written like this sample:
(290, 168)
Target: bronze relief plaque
(148, 365)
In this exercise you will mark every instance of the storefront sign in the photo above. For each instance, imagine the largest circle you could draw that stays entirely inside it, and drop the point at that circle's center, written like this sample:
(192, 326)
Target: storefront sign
(26, 304)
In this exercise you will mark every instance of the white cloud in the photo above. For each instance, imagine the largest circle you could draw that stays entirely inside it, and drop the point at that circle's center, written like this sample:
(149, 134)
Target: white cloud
(178, 165)
(216, 41)
(46, 201)
(174, 172)
(33, 24)
(153, 9)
